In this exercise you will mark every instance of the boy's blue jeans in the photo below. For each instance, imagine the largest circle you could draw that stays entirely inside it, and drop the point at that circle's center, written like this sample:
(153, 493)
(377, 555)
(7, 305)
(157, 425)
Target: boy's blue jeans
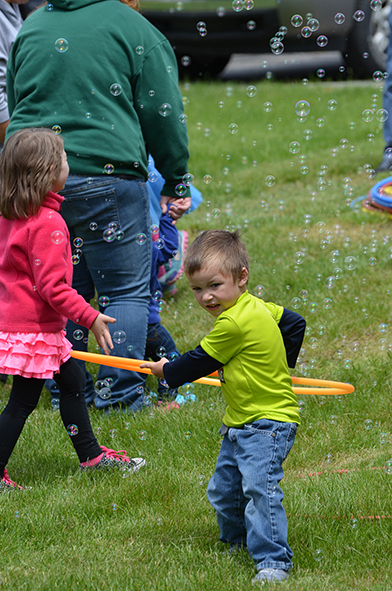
(244, 490)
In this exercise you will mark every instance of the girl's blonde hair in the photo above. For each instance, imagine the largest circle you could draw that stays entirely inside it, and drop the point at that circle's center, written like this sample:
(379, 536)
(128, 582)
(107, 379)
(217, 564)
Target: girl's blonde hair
(29, 164)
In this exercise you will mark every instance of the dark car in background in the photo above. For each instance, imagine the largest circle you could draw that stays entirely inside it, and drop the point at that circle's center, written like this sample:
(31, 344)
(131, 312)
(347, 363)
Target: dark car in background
(205, 33)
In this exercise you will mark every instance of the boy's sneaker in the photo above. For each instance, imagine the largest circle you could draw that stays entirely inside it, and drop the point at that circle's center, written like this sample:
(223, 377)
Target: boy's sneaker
(116, 459)
(6, 484)
(272, 575)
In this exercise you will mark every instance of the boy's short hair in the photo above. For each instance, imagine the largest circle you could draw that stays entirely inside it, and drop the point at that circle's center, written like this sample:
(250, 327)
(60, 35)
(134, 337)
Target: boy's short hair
(217, 248)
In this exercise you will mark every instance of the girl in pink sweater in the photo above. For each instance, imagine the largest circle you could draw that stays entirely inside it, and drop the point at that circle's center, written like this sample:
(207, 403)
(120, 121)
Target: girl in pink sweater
(36, 298)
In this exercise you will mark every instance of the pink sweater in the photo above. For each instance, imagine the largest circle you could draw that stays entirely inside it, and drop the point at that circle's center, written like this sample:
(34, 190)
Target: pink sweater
(36, 274)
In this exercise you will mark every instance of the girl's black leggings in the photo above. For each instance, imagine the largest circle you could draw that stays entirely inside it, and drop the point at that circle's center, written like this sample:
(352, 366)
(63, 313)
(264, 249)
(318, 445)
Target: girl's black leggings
(24, 397)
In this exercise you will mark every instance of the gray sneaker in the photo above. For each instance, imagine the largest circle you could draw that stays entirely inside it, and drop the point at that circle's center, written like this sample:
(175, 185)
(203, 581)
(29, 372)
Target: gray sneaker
(385, 164)
(272, 575)
(116, 459)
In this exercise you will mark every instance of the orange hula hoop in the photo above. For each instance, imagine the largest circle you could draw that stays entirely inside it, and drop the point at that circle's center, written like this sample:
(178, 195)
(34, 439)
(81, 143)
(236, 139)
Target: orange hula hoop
(314, 387)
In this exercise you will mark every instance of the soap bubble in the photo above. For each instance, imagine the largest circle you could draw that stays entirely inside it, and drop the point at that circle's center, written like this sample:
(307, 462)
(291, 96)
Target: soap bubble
(251, 90)
(109, 235)
(233, 128)
(78, 242)
(296, 20)
(187, 434)
(299, 257)
(294, 147)
(267, 106)
(332, 104)
(270, 180)
(139, 50)
(165, 110)
(376, 5)
(259, 291)
(119, 337)
(368, 424)
(327, 303)
(102, 389)
(339, 18)
(161, 352)
(251, 25)
(378, 76)
(93, 226)
(322, 41)
(78, 334)
(103, 301)
(72, 430)
(382, 115)
(320, 73)
(350, 263)
(237, 5)
(57, 237)
(367, 115)
(108, 168)
(359, 15)
(328, 458)
(141, 239)
(56, 129)
(302, 108)
(306, 32)
(142, 435)
(388, 467)
(296, 303)
(115, 89)
(61, 45)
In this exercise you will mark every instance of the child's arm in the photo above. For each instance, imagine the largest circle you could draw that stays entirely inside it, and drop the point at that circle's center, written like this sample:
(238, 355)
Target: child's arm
(189, 367)
(169, 234)
(101, 332)
(292, 326)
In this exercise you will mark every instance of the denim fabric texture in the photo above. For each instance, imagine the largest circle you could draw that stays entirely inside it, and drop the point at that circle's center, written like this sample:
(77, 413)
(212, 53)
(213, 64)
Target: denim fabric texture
(111, 216)
(245, 493)
(387, 97)
(158, 337)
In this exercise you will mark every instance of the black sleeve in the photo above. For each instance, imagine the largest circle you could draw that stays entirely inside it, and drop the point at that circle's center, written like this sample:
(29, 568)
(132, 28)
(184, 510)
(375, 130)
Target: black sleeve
(292, 326)
(190, 367)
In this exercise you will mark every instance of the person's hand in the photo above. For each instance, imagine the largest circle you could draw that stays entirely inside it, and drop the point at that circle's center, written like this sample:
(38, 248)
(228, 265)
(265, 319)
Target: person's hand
(156, 366)
(178, 206)
(101, 332)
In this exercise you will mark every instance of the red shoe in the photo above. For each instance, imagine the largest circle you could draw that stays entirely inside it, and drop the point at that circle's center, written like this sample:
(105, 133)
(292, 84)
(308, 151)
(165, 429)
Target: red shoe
(6, 484)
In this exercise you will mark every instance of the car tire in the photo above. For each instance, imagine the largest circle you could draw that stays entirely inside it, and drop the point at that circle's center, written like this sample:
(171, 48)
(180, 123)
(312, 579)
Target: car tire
(368, 40)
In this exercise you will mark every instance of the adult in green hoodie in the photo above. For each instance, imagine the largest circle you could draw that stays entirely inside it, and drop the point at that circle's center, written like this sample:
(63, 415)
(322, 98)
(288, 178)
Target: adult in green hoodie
(100, 74)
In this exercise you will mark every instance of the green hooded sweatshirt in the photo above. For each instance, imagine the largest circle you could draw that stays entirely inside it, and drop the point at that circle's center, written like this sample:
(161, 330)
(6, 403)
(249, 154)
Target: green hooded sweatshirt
(100, 74)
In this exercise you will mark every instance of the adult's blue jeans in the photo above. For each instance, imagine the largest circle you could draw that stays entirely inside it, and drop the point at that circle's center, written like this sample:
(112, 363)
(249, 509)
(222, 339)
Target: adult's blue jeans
(245, 493)
(109, 222)
(387, 97)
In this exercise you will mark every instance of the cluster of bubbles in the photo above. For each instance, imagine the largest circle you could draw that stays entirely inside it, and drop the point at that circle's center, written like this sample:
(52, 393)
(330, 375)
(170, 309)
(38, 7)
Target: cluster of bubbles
(276, 42)
(113, 232)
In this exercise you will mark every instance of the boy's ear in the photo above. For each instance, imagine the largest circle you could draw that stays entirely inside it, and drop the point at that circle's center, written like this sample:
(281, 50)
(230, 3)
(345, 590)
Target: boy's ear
(243, 278)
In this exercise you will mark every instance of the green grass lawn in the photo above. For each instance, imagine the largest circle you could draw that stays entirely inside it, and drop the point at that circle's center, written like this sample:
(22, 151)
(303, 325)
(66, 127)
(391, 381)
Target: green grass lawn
(310, 251)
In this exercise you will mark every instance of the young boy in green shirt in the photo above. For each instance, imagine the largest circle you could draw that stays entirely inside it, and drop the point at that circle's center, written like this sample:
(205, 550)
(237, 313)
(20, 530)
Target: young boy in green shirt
(251, 344)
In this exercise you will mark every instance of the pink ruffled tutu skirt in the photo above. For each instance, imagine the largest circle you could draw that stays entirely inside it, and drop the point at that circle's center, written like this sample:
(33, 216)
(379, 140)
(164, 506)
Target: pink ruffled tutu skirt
(33, 355)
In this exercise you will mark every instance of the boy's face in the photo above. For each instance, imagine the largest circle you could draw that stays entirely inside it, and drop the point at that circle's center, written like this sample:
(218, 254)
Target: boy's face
(216, 292)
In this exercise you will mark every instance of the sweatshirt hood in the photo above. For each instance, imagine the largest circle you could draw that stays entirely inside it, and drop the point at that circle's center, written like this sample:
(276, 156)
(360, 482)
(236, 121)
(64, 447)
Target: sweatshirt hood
(74, 4)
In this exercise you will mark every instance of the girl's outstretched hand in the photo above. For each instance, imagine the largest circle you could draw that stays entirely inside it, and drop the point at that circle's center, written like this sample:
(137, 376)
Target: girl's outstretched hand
(156, 366)
(101, 332)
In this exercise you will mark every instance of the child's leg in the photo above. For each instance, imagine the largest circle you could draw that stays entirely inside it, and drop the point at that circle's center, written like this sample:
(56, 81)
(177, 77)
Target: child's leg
(23, 399)
(261, 449)
(73, 410)
(161, 344)
(225, 494)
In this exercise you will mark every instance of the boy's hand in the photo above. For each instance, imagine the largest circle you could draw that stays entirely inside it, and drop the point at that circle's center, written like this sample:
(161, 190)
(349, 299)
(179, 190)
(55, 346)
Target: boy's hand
(156, 366)
(101, 332)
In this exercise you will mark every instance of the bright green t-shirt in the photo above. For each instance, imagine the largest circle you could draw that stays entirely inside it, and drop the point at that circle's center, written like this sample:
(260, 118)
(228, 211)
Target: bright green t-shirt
(255, 377)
